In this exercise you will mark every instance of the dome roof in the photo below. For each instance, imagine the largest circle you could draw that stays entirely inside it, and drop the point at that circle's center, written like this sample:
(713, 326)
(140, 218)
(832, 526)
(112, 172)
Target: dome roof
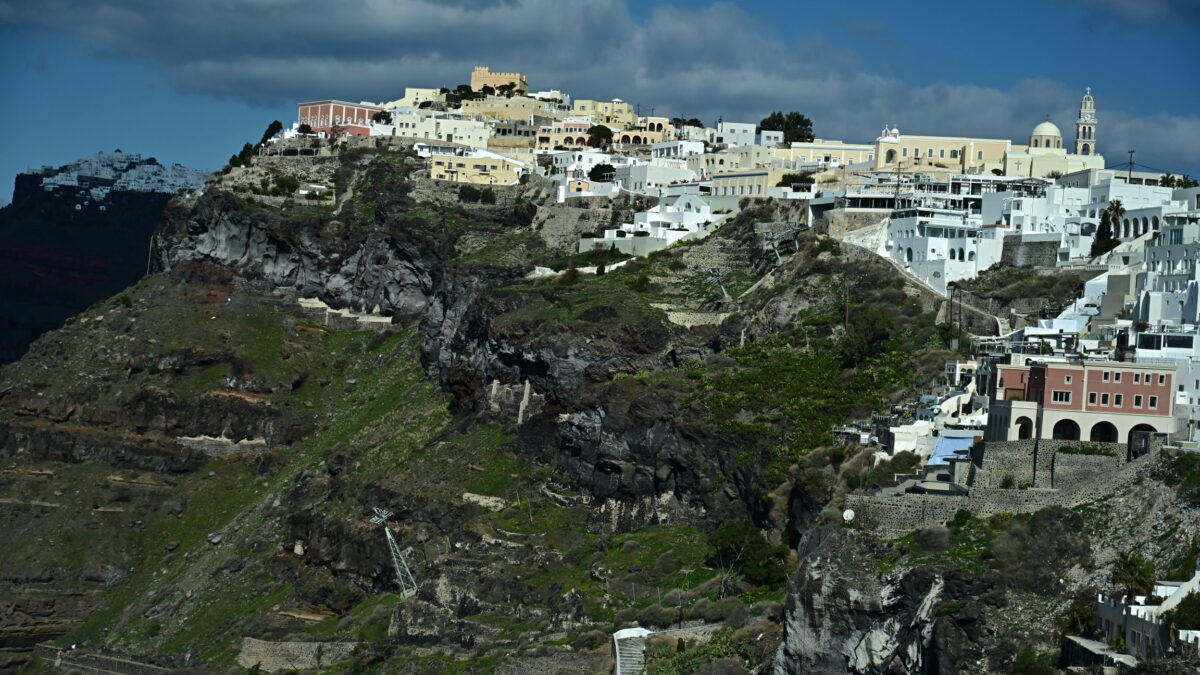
(1046, 128)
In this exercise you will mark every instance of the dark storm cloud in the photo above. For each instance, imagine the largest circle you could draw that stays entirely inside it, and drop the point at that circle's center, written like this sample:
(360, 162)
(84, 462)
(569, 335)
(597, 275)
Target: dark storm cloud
(703, 62)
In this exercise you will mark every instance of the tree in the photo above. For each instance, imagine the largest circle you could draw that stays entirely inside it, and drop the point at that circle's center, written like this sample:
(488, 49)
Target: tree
(790, 179)
(272, 129)
(602, 173)
(304, 129)
(679, 122)
(1133, 574)
(1054, 174)
(599, 136)
(487, 90)
(738, 545)
(382, 117)
(508, 89)
(796, 128)
(1104, 241)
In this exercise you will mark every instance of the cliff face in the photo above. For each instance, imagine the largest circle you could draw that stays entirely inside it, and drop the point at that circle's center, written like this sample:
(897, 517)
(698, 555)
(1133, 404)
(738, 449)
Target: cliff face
(56, 260)
(843, 618)
(556, 451)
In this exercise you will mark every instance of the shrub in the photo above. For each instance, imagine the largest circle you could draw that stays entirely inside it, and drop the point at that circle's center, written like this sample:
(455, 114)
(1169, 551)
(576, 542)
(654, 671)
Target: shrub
(739, 545)
(659, 616)
(934, 539)
(1029, 662)
(1008, 482)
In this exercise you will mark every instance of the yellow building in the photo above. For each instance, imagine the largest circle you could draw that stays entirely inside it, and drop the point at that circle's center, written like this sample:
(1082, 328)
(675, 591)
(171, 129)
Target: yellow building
(479, 169)
(611, 113)
(962, 154)
(483, 76)
(745, 183)
(504, 108)
(1046, 155)
(826, 152)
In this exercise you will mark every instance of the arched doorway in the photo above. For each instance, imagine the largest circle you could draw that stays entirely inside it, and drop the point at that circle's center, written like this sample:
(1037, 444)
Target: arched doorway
(1086, 149)
(891, 156)
(1140, 428)
(1104, 432)
(625, 138)
(1024, 428)
(1066, 430)
(908, 254)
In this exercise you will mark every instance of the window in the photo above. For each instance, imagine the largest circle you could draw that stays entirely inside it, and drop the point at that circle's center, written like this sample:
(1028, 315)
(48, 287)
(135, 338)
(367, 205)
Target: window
(1137, 377)
(1117, 400)
(904, 152)
(979, 155)
(1067, 379)
(942, 153)
(1061, 396)
(1092, 398)
(1103, 399)
(1162, 379)
(1105, 376)
(929, 153)
(1117, 377)
(1137, 401)
(1153, 401)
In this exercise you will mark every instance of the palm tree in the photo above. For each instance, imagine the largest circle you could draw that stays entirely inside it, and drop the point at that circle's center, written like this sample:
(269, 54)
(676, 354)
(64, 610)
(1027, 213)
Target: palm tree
(1116, 210)
(1133, 574)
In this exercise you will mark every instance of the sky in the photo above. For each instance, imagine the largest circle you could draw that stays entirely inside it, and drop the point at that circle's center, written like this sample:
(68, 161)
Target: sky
(189, 81)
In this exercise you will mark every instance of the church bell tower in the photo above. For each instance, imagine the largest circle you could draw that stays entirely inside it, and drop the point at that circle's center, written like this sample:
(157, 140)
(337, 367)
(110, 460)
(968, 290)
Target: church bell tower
(1085, 126)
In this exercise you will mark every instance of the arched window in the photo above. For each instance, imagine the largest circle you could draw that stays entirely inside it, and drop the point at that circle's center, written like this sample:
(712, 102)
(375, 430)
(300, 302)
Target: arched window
(1066, 430)
(1024, 428)
(908, 255)
(960, 255)
(971, 255)
(1035, 142)
(1126, 228)
(1154, 223)
(1103, 432)
(1086, 149)
(890, 157)
(952, 254)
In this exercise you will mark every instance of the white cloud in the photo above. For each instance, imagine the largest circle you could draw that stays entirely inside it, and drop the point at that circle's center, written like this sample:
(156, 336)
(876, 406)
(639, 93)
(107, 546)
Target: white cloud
(701, 61)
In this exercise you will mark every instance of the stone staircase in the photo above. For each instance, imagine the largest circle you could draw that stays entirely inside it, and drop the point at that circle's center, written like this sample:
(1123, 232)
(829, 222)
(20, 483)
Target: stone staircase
(629, 646)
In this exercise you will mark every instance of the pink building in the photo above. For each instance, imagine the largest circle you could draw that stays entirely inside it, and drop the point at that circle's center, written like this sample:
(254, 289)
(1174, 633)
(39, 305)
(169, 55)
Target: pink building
(1102, 401)
(351, 119)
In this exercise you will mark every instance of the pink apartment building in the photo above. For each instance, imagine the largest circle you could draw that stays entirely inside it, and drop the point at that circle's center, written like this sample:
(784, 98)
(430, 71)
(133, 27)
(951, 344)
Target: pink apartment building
(1101, 401)
(351, 119)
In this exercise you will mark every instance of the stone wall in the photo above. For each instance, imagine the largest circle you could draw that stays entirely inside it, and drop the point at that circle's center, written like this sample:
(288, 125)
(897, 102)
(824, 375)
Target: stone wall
(1078, 479)
(276, 656)
(1029, 253)
(1006, 458)
(840, 223)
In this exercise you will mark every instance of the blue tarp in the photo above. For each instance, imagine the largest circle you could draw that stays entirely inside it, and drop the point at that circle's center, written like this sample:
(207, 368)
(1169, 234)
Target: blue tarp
(947, 447)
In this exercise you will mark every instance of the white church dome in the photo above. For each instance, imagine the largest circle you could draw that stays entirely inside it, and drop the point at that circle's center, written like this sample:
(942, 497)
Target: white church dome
(1046, 128)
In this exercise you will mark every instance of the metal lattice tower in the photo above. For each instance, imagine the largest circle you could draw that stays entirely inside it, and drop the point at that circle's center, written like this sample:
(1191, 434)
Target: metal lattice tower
(769, 238)
(404, 576)
(714, 277)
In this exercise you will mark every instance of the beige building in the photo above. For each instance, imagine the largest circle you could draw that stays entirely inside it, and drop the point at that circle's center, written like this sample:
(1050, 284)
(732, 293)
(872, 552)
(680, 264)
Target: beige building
(415, 96)
(741, 158)
(897, 152)
(827, 152)
(745, 183)
(610, 113)
(483, 76)
(1046, 153)
(504, 108)
(478, 168)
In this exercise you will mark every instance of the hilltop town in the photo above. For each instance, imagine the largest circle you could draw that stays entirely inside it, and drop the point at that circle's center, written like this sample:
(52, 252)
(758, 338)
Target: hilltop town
(487, 379)
(1056, 400)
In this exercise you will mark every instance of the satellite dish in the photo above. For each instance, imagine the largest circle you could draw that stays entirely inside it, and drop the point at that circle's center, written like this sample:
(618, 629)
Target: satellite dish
(848, 515)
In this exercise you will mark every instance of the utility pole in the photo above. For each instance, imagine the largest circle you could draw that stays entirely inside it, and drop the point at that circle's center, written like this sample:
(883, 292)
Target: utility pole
(1129, 174)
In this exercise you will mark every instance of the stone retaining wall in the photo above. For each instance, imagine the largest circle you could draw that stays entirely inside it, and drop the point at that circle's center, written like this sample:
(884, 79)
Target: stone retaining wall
(275, 656)
(1078, 479)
